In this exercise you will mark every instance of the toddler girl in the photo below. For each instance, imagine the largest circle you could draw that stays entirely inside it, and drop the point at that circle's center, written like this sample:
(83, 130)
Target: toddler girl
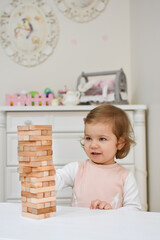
(100, 182)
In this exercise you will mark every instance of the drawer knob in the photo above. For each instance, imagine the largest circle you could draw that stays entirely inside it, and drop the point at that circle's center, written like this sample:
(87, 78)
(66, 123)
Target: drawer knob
(28, 122)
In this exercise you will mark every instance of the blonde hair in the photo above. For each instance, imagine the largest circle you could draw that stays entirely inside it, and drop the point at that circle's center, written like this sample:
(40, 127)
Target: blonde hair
(120, 122)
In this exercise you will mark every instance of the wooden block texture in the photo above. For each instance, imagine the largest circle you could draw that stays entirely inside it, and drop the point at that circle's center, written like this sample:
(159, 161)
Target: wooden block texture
(36, 171)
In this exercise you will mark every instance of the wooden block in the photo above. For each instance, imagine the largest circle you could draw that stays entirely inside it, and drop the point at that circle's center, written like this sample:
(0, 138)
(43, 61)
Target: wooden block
(20, 149)
(32, 195)
(46, 132)
(45, 168)
(32, 154)
(23, 199)
(40, 216)
(48, 143)
(43, 179)
(46, 194)
(53, 193)
(24, 169)
(41, 153)
(53, 203)
(43, 189)
(23, 159)
(35, 148)
(49, 163)
(37, 190)
(33, 164)
(30, 133)
(51, 214)
(33, 210)
(33, 205)
(47, 204)
(36, 164)
(41, 210)
(48, 183)
(40, 138)
(23, 138)
(32, 185)
(25, 189)
(45, 184)
(41, 200)
(33, 216)
(28, 143)
(51, 183)
(35, 174)
(41, 158)
(39, 205)
(22, 179)
(24, 208)
(23, 128)
(49, 152)
(40, 127)
(51, 173)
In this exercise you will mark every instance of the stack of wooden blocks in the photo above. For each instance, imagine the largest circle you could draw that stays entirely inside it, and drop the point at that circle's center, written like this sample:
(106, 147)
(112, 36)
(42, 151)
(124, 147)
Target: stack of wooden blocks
(36, 171)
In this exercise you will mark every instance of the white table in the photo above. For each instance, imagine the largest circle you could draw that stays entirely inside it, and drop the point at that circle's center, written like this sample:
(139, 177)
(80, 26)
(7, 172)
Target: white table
(79, 223)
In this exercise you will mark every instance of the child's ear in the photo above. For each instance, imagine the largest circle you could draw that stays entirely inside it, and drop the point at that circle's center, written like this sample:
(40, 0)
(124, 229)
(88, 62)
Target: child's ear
(121, 143)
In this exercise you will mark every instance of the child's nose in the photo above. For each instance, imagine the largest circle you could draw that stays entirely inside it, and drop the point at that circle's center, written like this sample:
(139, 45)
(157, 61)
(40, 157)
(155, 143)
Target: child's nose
(94, 144)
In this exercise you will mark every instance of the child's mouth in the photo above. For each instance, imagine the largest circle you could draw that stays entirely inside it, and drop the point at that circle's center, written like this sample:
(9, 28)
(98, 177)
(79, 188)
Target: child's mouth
(95, 153)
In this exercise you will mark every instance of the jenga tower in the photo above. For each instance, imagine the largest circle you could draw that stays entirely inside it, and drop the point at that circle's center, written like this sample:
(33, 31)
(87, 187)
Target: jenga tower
(36, 170)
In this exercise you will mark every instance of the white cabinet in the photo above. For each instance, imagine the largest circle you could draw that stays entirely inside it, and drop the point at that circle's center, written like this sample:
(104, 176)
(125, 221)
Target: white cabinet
(67, 126)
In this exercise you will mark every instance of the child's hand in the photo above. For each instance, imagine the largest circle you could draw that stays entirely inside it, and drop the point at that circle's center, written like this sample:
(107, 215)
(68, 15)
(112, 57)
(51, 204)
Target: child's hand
(97, 204)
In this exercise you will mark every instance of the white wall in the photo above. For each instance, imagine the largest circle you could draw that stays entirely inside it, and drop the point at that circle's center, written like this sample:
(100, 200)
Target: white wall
(91, 53)
(145, 55)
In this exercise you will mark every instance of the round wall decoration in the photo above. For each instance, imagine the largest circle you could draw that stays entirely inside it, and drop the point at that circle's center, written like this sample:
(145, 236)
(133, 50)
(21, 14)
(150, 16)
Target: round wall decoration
(81, 10)
(28, 31)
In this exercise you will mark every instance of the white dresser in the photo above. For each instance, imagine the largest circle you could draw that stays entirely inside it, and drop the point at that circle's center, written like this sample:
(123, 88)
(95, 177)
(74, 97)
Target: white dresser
(67, 126)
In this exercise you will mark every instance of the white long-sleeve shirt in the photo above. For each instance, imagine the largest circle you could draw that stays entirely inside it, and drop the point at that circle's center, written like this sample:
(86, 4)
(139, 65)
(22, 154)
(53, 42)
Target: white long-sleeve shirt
(73, 175)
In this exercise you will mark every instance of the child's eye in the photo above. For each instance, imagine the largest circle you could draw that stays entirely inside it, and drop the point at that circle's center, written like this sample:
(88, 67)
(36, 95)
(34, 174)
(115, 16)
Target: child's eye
(103, 139)
(87, 138)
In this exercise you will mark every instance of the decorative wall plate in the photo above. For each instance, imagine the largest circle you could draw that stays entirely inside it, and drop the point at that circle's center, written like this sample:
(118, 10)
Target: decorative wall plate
(81, 10)
(28, 31)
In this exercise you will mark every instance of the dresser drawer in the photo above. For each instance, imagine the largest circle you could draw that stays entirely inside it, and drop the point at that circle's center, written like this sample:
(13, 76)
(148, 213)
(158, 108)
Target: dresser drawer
(60, 121)
(12, 184)
(67, 148)
(12, 154)
(68, 121)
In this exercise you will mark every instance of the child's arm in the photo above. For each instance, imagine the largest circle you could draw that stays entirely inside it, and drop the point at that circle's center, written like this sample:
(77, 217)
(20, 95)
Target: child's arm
(65, 176)
(131, 196)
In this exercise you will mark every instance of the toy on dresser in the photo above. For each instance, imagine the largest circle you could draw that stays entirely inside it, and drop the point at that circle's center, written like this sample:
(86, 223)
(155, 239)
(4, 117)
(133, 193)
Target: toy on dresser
(103, 88)
(36, 171)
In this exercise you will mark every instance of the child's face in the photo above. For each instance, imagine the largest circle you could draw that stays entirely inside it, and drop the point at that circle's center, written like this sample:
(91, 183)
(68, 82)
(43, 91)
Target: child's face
(101, 144)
